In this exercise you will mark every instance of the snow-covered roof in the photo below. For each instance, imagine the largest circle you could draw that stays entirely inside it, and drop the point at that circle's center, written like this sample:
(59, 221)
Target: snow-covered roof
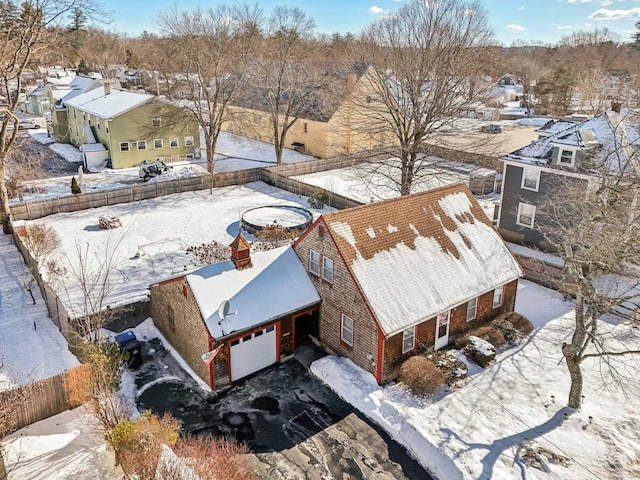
(553, 127)
(419, 255)
(109, 106)
(607, 135)
(79, 85)
(93, 147)
(277, 284)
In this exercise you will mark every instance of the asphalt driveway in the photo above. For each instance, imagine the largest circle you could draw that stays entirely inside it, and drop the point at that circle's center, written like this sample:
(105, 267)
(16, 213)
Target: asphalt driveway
(295, 427)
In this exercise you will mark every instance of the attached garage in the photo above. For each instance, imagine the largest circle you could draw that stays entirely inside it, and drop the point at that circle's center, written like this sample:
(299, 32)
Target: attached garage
(253, 352)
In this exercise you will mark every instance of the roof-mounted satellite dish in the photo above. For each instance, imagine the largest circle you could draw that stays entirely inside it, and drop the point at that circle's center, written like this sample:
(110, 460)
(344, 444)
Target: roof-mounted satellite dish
(223, 311)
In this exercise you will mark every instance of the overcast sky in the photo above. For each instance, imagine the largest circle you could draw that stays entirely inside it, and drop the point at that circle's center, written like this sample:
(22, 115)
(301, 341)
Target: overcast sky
(542, 20)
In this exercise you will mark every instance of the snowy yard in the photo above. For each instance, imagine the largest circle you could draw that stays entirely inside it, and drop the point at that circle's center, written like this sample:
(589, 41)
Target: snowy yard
(151, 244)
(31, 346)
(475, 432)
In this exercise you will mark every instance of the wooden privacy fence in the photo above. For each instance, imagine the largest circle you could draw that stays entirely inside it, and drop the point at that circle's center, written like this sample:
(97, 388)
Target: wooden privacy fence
(27, 404)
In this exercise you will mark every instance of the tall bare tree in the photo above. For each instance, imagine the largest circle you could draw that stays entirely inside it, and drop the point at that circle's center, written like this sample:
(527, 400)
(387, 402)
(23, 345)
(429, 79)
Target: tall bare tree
(424, 61)
(26, 29)
(212, 49)
(596, 232)
(283, 81)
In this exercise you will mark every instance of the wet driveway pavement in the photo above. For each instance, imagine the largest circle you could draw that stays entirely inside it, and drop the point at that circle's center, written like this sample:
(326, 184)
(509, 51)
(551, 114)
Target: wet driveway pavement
(295, 427)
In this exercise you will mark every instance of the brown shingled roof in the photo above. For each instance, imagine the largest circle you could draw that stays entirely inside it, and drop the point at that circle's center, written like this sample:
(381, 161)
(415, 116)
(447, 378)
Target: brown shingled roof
(407, 215)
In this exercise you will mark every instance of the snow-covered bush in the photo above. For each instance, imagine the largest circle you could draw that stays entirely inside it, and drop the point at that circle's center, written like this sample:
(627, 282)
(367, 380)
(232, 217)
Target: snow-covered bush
(453, 368)
(479, 351)
(421, 375)
(487, 332)
(209, 253)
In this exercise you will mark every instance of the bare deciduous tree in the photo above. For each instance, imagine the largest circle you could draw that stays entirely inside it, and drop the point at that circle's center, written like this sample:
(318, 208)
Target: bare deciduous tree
(424, 61)
(26, 30)
(212, 50)
(596, 233)
(283, 81)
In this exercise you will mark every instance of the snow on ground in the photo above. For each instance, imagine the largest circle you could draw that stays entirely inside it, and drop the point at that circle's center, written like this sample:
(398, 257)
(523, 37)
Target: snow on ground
(234, 152)
(151, 244)
(474, 432)
(105, 179)
(368, 182)
(31, 346)
(69, 445)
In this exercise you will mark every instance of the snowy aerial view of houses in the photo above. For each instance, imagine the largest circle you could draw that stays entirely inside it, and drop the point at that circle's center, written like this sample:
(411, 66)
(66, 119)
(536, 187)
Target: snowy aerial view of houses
(338, 241)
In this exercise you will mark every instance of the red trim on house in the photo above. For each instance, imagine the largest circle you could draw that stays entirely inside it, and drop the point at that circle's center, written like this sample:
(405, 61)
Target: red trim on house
(211, 378)
(380, 359)
(293, 324)
(277, 342)
(229, 360)
(275, 324)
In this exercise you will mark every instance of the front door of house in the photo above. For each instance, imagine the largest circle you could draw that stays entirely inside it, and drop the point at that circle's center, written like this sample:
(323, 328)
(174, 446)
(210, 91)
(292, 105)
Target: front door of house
(442, 330)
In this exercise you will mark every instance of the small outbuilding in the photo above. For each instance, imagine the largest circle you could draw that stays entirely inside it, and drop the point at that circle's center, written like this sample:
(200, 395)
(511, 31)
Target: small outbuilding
(246, 313)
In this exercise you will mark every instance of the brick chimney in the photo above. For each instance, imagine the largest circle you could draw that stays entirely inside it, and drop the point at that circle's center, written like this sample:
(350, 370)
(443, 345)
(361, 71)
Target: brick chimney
(241, 252)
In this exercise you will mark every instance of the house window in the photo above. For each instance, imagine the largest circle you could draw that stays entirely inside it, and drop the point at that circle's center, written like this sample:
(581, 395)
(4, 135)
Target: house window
(497, 297)
(526, 215)
(142, 144)
(74, 113)
(566, 157)
(156, 122)
(188, 141)
(171, 318)
(157, 143)
(346, 330)
(98, 125)
(472, 309)
(408, 340)
(314, 262)
(530, 179)
(124, 146)
(173, 142)
(327, 269)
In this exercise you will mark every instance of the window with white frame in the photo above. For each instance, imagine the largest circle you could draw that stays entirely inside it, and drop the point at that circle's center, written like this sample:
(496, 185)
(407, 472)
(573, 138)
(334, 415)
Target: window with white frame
(156, 122)
(472, 309)
(530, 179)
(157, 143)
(327, 269)
(173, 142)
(314, 262)
(124, 146)
(565, 157)
(497, 297)
(142, 144)
(75, 113)
(346, 330)
(408, 339)
(526, 215)
(188, 141)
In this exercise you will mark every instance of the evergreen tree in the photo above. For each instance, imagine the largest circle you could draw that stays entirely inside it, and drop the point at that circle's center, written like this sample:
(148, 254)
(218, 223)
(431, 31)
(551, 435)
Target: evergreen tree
(75, 188)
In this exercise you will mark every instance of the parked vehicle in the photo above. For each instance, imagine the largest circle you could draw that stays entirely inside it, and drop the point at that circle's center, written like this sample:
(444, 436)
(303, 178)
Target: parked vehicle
(149, 170)
(491, 128)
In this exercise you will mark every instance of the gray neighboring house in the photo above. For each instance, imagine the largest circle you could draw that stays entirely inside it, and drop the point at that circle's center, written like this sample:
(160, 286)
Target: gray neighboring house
(564, 156)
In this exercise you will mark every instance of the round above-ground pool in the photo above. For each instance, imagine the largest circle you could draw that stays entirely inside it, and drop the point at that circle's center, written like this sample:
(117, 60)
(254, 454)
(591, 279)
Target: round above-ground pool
(287, 216)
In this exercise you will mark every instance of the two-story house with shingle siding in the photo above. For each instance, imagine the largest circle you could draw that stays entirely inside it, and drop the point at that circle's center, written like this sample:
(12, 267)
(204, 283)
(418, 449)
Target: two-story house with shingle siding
(404, 274)
(131, 127)
(565, 157)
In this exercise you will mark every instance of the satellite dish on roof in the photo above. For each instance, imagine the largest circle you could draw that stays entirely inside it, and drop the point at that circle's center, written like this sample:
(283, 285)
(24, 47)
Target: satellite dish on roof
(223, 310)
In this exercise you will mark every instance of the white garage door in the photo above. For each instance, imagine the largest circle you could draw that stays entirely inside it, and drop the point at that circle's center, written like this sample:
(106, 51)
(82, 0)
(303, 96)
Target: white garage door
(253, 352)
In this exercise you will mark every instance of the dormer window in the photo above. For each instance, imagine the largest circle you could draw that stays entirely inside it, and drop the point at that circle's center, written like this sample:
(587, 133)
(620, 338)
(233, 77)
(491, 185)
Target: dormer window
(565, 157)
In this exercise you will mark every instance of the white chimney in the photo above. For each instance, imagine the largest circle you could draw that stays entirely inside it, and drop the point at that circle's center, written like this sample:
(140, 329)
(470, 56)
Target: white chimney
(107, 88)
